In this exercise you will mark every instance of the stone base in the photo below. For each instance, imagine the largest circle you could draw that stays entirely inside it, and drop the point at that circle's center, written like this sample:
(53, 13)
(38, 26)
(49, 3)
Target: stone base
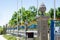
(42, 27)
(57, 37)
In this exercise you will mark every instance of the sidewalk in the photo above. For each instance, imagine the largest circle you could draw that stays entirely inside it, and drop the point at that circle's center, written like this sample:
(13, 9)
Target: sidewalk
(2, 38)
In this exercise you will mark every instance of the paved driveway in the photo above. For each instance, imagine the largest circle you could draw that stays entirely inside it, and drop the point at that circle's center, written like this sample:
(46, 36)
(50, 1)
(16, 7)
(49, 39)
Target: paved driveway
(2, 38)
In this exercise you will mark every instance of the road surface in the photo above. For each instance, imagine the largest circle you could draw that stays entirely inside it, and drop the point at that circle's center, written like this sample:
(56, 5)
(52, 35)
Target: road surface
(2, 38)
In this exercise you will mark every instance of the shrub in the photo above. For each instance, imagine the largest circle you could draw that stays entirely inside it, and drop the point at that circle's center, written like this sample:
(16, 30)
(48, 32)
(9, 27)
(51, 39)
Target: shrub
(10, 37)
(1, 30)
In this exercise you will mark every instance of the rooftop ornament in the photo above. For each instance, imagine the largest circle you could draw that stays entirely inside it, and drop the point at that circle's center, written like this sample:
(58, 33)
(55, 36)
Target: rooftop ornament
(42, 8)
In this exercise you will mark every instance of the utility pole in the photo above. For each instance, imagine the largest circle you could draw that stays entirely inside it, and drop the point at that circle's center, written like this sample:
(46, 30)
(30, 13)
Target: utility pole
(54, 9)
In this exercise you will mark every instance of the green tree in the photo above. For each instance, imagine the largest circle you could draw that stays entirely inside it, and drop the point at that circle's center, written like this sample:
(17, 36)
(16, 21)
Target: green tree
(1, 30)
(51, 12)
(58, 12)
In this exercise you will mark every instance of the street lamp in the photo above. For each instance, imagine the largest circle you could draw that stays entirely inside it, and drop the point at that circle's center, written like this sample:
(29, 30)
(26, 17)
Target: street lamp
(54, 9)
(54, 12)
(37, 15)
(42, 9)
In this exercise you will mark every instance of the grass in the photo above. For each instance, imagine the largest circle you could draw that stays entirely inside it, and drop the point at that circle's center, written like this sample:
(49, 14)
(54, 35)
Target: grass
(10, 37)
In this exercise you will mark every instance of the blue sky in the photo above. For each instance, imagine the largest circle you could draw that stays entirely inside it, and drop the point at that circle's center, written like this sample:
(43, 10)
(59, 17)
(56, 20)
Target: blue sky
(7, 7)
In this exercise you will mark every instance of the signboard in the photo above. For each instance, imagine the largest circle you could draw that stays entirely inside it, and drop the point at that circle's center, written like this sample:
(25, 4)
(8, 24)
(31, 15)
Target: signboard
(55, 30)
(57, 27)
